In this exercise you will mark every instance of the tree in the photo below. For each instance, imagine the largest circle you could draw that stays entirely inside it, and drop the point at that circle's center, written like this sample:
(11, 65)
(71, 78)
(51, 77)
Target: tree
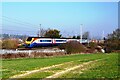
(115, 34)
(53, 33)
(78, 37)
(86, 35)
(74, 37)
(41, 32)
(113, 41)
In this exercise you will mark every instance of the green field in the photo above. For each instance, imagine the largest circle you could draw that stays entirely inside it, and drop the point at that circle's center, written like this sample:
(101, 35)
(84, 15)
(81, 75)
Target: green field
(107, 67)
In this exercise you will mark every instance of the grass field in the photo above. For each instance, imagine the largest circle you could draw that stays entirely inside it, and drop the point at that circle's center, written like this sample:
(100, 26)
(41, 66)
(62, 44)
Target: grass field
(105, 68)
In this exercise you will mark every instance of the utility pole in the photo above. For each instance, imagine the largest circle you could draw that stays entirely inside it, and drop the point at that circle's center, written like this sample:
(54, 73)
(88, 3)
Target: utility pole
(40, 31)
(81, 33)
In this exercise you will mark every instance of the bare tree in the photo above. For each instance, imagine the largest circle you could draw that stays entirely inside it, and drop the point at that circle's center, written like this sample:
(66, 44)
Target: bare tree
(41, 32)
(86, 35)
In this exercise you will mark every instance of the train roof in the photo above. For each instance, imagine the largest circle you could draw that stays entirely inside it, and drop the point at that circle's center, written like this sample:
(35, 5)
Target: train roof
(54, 38)
(51, 37)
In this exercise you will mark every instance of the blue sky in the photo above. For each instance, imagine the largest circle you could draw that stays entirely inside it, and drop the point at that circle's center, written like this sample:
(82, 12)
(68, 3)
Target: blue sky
(25, 17)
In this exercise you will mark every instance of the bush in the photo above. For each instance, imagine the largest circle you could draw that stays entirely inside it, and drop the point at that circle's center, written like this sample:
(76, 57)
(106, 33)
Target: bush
(0, 44)
(73, 47)
(92, 45)
(9, 44)
(112, 45)
(62, 46)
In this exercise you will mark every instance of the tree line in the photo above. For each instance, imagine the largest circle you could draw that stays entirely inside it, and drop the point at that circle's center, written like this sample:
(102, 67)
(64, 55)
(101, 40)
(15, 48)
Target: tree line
(7, 36)
(54, 33)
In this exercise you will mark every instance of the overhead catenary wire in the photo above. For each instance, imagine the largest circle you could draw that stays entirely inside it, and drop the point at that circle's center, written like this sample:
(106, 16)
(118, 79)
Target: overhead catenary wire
(19, 21)
(33, 31)
(18, 33)
(14, 30)
(20, 24)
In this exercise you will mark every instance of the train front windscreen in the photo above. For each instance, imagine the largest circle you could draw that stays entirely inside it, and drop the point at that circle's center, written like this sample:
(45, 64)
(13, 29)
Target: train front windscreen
(29, 39)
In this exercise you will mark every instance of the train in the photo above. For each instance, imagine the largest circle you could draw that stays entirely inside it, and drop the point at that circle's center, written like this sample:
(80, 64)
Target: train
(32, 42)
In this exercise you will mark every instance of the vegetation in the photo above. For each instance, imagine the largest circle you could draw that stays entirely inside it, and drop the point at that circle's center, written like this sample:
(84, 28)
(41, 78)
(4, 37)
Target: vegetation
(93, 45)
(53, 33)
(11, 67)
(7, 36)
(105, 68)
(41, 32)
(30, 55)
(86, 35)
(113, 41)
(0, 44)
(10, 44)
(73, 47)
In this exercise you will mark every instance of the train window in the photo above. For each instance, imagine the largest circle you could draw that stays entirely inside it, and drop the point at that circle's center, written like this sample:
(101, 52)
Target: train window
(29, 38)
(60, 40)
(45, 40)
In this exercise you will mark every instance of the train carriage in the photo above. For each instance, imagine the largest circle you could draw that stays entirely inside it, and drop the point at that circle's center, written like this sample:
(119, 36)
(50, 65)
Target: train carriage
(32, 42)
(43, 42)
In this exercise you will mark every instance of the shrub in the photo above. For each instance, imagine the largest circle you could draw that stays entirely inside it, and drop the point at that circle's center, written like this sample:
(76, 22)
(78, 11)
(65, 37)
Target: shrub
(9, 44)
(112, 45)
(73, 47)
(0, 44)
(92, 45)
(62, 46)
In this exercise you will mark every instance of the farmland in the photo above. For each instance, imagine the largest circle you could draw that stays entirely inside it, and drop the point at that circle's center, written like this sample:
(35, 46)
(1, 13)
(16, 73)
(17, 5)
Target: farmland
(85, 66)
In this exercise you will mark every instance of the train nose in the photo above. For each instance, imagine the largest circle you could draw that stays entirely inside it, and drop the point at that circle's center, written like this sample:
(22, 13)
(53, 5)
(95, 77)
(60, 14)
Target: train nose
(27, 42)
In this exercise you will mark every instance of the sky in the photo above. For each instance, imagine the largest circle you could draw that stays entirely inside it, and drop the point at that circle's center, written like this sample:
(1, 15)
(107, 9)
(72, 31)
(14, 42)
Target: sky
(26, 17)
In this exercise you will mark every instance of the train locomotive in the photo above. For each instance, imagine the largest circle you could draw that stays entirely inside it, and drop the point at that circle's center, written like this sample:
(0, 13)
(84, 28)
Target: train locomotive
(32, 42)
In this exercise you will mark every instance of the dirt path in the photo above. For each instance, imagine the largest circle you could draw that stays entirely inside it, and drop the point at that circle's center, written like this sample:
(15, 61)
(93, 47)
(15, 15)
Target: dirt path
(70, 69)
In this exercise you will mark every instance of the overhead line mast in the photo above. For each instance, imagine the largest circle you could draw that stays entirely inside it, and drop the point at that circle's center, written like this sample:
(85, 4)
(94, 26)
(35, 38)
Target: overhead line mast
(81, 33)
(40, 31)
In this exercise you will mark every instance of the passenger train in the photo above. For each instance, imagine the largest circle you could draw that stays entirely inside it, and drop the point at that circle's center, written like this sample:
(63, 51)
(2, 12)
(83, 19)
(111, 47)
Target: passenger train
(32, 42)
